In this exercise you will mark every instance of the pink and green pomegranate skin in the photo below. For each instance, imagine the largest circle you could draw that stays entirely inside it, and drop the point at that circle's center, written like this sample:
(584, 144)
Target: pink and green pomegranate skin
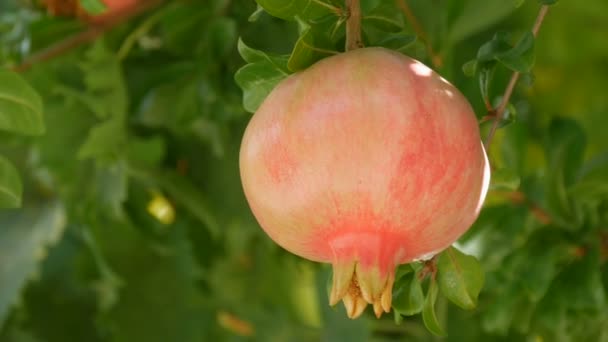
(366, 160)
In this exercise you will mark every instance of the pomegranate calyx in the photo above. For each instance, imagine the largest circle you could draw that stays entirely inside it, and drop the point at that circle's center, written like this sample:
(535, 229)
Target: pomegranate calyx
(359, 286)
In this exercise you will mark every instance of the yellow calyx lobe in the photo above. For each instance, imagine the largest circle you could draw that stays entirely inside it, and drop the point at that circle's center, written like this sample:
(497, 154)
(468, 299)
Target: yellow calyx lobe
(358, 286)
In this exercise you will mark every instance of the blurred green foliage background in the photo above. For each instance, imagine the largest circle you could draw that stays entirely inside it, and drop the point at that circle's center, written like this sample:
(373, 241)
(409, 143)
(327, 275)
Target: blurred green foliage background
(134, 227)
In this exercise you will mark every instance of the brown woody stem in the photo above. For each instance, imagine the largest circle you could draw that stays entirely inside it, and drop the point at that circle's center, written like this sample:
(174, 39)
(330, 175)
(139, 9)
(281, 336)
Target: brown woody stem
(497, 114)
(353, 25)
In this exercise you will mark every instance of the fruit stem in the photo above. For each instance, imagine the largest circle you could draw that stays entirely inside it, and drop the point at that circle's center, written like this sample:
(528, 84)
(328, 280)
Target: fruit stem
(353, 25)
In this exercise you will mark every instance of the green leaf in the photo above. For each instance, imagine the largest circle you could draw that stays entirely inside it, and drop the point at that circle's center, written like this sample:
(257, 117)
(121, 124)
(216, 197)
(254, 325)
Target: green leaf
(109, 185)
(180, 20)
(485, 76)
(498, 316)
(582, 282)
(251, 55)
(24, 237)
(104, 80)
(20, 105)
(105, 141)
(547, 2)
(589, 189)
(564, 146)
(428, 311)
(149, 151)
(477, 15)
(517, 58)
(521, 57)
(93, 6)
(540, 263)
(10, 185)
(470, 68)
(384, 17)
(460, 277)
(257, 81)
(504, 179)
(258, 78)
(409, 298)
(307, 51)
(288, 9)
(222, 33)
(169, 288)
(259, 11)
(397, 41)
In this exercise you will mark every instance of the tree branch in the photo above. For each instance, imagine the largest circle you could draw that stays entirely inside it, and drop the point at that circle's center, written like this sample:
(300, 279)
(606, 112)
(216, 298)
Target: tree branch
(497, 114)
(411, 18)
(353, 25)
(83, 37)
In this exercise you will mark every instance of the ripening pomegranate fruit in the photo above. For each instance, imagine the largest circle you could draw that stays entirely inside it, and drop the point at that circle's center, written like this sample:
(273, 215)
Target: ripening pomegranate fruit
(366, 160)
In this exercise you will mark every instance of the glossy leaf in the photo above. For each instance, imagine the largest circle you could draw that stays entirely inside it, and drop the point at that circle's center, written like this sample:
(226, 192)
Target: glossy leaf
(258, 78)
(20, 105)
(408, 298)
(307, 50)
(460, 277)
(428, 310)
(485, 76)
(10, 185)
(397, 41)
(288, 9)
(519, 57)
(384, 17)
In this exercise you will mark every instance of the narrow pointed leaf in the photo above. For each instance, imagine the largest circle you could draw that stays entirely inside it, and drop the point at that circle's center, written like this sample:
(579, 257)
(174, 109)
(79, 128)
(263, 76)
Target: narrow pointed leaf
(428, 311)
(20, 105)
(409, 297)
(10, 185)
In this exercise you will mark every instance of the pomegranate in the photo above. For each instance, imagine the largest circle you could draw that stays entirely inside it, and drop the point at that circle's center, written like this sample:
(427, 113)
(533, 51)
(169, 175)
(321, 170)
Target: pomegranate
(366, 160)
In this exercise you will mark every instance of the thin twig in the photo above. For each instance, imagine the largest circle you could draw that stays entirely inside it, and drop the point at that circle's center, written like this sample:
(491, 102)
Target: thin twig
(411, 18)
(353, 25)
(337, 10)
(497, 114)
(83, 37)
